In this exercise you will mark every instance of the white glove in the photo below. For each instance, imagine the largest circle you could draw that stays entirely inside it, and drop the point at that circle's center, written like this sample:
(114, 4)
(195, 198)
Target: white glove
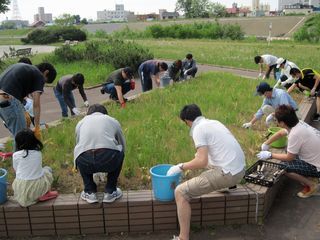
(284, 83)
(312, 92)
(264, 77)
(175, 169)
(86, 103)
(260, 75)
(269, 119)
(76, 111)
(264, 147)
(247, 125)
(264, 155)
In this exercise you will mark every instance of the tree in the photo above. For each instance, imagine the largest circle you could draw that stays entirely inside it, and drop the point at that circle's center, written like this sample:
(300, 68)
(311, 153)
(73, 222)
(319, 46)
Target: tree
(65, 20)
(194, 8)
(76, 18)
(4, 6)
(84, 21)
(218, 10)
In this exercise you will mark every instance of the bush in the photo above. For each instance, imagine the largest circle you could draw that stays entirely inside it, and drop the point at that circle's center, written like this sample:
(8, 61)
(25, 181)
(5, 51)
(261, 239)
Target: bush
(54, 34)
(310, 31)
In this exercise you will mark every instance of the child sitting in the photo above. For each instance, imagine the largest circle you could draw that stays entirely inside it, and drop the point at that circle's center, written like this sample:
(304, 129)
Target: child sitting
(32, 182)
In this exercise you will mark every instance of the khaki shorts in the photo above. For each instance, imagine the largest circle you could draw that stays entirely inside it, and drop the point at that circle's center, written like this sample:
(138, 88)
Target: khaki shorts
(209, 181)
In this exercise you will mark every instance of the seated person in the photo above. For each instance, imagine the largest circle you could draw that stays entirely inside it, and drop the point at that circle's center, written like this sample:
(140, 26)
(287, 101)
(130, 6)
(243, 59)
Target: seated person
(32, 182)
(118, 84)
(100, 147)
(189, 67)
(303, 152)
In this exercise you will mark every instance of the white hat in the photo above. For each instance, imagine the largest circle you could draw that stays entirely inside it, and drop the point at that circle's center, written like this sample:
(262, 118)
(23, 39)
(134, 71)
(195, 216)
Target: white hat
(280, 61)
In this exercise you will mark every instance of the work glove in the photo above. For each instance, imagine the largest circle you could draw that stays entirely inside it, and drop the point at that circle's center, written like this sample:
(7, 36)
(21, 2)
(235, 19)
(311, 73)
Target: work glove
(86, 103)
(284, 83)
(132, 84)
(265, 147)
(176, 169)
(312, 92)
(123, 105)
(247, 125)
(269, 119)
(37, 132)
(76, 111)
(260, 75)
(264, 155)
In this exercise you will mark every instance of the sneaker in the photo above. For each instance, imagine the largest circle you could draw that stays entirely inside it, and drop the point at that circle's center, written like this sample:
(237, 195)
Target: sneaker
(308, 191)
(316, 117)
(111, 197)
(175, 238)
(90, 198)
(102, 91)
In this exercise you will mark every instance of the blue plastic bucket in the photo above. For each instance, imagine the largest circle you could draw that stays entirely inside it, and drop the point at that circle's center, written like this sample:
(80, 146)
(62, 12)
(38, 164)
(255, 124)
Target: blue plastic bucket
(163, 186)
(3, 185)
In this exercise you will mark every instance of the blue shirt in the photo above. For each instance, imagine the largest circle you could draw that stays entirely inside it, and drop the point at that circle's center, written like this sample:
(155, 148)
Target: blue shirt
(279, 97)
(149, 67)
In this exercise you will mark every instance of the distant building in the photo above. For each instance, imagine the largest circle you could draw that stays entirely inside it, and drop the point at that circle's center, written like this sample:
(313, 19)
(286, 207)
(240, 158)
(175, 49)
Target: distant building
(298, 8)
(284, 3)
(37, 24)
(148, 17)
(42, 16)
(238, 12)
(17, 23)
(164, 14)
(119, 14)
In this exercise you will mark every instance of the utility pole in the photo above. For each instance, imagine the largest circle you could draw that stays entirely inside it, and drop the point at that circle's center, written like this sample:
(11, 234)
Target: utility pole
(269, 37)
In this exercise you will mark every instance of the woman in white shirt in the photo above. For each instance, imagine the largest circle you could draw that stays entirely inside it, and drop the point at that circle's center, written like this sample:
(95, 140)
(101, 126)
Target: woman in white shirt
(32, 182)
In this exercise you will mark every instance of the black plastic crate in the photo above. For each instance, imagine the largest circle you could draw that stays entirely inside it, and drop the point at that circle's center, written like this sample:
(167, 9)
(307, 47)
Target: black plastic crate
(270, 174)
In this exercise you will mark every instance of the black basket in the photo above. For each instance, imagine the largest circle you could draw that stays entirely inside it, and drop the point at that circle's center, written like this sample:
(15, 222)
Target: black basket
(271, 173)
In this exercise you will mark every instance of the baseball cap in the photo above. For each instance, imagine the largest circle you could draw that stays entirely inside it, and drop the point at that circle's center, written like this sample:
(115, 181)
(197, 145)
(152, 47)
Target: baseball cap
(279, 62)
(128, 71)
(262, 88)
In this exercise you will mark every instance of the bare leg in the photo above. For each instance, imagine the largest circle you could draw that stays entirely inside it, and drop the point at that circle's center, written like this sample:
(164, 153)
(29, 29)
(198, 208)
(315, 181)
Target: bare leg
(184, 215)
(303, 180)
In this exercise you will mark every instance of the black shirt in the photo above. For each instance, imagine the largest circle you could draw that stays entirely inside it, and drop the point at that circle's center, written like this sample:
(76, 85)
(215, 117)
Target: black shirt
(307, 78)
(21, 79)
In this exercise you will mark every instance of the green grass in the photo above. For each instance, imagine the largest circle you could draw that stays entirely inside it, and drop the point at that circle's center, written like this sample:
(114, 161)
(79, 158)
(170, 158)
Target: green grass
(154, 132)
(10, 41)
(237, 54)
(15, 32)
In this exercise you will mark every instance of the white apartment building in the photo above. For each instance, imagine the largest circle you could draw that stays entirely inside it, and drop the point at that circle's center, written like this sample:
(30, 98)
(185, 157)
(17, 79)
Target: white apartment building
(119, 14)
(42, 16)
(283, 3)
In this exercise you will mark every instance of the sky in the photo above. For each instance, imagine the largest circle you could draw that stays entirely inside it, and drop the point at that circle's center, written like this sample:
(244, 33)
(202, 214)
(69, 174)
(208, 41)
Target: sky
(88, 9)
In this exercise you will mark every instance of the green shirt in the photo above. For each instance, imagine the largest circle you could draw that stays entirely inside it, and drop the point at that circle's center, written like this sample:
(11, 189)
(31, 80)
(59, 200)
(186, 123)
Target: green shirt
(116, 78)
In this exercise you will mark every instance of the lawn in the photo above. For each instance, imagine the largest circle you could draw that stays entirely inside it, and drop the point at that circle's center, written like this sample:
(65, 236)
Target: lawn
(154, 132)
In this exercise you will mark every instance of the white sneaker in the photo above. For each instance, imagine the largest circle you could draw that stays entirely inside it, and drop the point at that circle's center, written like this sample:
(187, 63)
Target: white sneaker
(90, 198)
(111, 197)
(175, 238)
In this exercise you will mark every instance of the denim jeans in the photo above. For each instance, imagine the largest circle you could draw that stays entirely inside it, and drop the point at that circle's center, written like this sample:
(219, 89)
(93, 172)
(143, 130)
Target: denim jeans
(109, 88)
(103, 160)
(62, 103)
(146, 81)
(13, 116)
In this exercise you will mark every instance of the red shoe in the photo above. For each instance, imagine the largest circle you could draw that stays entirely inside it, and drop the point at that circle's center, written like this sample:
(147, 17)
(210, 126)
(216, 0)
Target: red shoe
(49, 195)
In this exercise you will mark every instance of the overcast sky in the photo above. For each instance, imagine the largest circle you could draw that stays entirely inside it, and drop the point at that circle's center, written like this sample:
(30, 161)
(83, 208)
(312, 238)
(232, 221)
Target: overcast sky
(88, 9)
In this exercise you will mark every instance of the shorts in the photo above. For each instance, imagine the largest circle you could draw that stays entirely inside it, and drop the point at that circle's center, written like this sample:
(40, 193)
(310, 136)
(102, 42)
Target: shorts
(302, 168)
(209, 181)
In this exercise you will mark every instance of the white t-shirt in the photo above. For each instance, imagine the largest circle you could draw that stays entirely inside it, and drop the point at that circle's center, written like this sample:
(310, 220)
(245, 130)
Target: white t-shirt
(223, 149)
(304, 141)
(269, 59)
(286, 70)
(29, 167)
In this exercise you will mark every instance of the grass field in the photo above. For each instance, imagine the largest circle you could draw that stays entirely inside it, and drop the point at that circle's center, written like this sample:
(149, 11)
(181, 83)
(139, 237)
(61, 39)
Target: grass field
(154, 132)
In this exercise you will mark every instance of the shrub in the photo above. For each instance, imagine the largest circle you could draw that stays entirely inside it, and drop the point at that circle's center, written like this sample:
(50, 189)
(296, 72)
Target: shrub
(310, 31)
(74, 34)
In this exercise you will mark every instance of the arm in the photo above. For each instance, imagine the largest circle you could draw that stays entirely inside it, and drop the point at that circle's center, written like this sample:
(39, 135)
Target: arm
(276, 136)
(82, 93)
(156, 79)
(200, 160)
(283, 156)
(36, 108)
(316, 83)
(293, 86)
(119, 93)
(120, 137)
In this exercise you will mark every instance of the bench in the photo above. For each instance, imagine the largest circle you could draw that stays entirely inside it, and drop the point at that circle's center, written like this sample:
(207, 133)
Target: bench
(20, 52)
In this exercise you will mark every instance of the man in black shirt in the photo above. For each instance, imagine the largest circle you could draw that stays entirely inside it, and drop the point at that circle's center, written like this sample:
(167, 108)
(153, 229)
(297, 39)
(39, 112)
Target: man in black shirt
(308, 79)
(16, 82)
(63, 92)
(118, 84)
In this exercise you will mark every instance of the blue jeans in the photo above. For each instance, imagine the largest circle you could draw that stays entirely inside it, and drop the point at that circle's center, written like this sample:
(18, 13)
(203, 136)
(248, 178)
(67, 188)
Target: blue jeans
(146, 81)
(62, 103)
(101, 160)
(109, 88)
(13, 116)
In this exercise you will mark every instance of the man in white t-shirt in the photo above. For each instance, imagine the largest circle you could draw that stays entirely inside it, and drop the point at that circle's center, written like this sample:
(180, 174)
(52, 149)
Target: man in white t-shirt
(217, 150)
(270, 62)
(303, 152)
